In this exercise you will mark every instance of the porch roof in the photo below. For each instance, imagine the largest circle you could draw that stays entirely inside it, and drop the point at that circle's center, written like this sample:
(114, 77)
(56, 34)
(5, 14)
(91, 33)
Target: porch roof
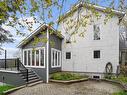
(35, 32)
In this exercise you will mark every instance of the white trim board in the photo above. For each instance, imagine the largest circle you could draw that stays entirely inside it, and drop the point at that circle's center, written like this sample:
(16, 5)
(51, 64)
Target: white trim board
(47, 65)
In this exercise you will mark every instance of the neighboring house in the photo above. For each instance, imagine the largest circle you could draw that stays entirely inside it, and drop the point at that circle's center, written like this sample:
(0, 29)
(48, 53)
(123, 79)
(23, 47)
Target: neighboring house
(90, 54)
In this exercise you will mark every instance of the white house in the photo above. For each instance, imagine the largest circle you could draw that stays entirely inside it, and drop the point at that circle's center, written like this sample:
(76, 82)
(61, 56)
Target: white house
(88, 44)
(99, 46)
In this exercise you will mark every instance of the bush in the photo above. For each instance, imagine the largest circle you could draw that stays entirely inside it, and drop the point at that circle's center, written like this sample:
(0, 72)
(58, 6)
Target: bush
(66, 76)
(123, 70)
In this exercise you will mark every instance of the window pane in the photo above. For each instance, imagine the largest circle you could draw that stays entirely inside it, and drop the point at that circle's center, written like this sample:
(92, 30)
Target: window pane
(68, 55)
(29, 58)
(97, 54)
(33, 62)
(37, 57)
(25, 57)
(42, 57)
(58, 58)
(96, 30)
(55, 58)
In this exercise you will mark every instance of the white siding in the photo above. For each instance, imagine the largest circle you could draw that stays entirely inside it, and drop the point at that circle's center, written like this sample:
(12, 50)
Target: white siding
(82, 51)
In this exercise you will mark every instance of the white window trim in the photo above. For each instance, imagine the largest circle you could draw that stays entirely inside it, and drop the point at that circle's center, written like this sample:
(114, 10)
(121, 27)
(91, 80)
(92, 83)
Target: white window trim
(56, 51)
(38, 48)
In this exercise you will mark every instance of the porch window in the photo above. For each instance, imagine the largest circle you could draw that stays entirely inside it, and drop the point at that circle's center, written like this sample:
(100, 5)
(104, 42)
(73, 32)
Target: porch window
(25, 58)
(55, 58)
(29, 58)
(42, 57)
(33, 54)
(37, 57)
(34, 58)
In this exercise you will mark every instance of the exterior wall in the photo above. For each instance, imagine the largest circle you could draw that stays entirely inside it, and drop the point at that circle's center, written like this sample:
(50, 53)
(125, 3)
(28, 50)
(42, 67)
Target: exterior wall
(40, 71)
(57, 45)
(82, 51)
(11, 78)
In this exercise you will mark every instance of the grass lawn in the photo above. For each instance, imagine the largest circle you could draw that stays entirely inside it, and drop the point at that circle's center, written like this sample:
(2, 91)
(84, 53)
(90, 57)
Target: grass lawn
(4, 88)
(119, 78)
(120, 93)
(66, 76)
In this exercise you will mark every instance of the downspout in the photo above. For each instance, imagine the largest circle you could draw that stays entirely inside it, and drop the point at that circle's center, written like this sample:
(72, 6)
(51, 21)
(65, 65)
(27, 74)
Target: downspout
(47, 65)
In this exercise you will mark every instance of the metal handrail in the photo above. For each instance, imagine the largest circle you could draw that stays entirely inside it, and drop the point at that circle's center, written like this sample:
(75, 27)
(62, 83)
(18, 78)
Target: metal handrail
(22, 69)
(16, 65)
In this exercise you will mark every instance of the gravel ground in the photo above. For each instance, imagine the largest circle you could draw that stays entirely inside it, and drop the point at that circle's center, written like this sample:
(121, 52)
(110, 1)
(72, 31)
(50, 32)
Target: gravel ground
(82, 88)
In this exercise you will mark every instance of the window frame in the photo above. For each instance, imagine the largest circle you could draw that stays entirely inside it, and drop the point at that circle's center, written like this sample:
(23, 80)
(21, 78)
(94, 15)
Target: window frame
(94, 32)
(94, 54)
(66, 56)
(58, 64)
(30, 49)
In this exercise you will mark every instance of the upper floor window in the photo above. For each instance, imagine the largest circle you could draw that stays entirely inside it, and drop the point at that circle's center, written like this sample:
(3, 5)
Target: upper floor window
(96, 29)
(68, 37)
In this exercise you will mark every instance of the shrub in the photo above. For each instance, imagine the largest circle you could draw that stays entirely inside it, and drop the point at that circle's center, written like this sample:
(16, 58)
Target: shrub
(66, 76)
(123, 70)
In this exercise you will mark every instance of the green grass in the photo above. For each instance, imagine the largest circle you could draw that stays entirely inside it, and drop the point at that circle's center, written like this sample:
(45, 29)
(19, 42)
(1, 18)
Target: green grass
(120, 93)
(5, 88)
(65, 76)
(120, 78)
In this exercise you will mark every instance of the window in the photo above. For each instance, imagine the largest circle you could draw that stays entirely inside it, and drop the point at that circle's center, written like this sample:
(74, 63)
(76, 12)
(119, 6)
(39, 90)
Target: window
(55, 58)
(34, 58)
(97, 54)
(25, 58)
(42, 57)
(96, 29)
(33, 54)
(68, 37)
(68, 55)
(37, 57)
(29, 58)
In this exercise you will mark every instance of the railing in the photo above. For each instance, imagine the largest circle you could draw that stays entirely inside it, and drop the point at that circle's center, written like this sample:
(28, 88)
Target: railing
(8, 64)
(22, 69)
(14, 65)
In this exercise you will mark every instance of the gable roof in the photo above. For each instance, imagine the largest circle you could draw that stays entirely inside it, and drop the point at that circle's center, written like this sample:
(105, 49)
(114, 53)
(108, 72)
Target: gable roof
(80, 5)
(37, 31)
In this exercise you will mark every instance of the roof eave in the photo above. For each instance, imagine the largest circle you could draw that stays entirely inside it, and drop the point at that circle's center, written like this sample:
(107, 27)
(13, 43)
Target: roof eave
(88, 5)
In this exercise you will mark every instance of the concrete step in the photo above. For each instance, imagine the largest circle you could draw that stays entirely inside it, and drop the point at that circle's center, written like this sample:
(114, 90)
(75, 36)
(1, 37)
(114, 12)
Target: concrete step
(35, 83)
(32, 78)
